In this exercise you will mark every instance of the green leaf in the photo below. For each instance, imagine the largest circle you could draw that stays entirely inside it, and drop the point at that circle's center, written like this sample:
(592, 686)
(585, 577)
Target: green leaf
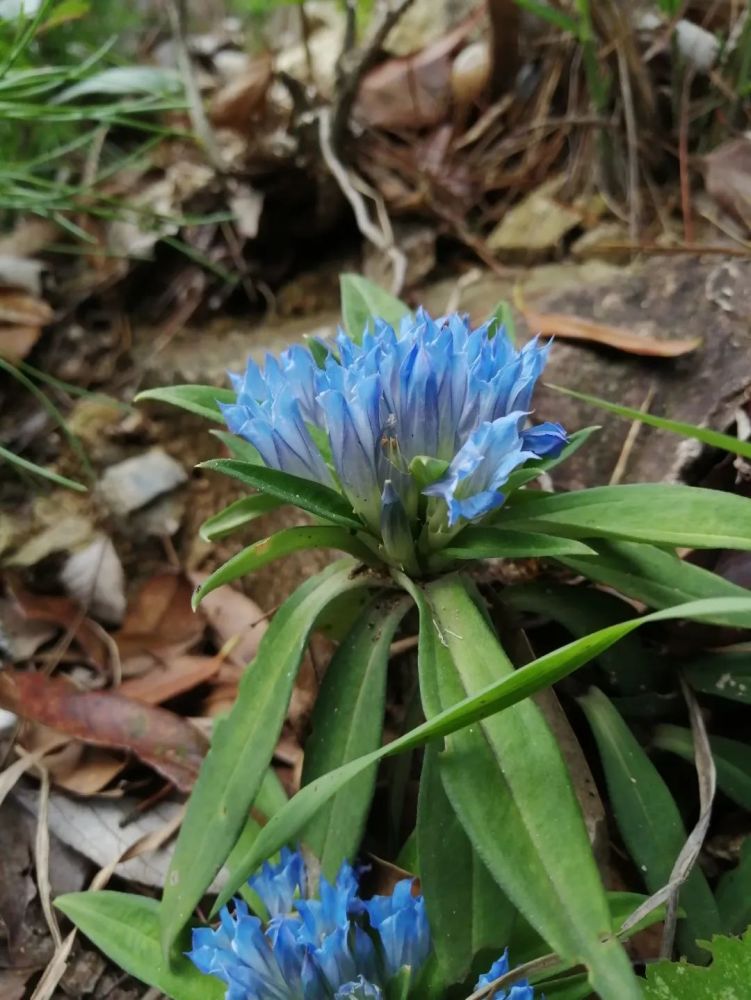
(126, 928)
(551, 15)
(348, 723)
(363, 301)
(270, 799)
(285, 827)
(727, 978)
(658, 578)
(477, 542)
(149, 80)
(282, 543)
(732, 759)
(733, 893)
(242, 746)
(715, 439)
(666, 515)
(302, 493)
(237, 515)
(467, 911)
(648, 818)
(511, 790)
(202, 400)
(629, 665)
(727, 675)
(39, 470)
(525, 944)
(502, 318)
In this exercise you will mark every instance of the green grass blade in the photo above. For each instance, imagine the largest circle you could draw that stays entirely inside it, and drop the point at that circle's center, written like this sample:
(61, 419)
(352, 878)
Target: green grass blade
(38, 470)
(716, 439)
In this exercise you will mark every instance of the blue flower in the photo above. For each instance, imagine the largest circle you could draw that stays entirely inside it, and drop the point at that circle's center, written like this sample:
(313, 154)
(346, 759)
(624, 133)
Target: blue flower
(336, 947)
(437, 390)
(519, 991)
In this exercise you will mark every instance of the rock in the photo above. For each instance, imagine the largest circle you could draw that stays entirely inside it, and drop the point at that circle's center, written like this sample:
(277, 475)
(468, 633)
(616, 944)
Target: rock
(132, 484)
(589, 245)
(533, 230)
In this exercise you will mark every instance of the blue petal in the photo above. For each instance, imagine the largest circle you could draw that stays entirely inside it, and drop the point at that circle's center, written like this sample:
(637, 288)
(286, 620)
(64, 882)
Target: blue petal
(545, 440)
(359, 989)
(278, 885)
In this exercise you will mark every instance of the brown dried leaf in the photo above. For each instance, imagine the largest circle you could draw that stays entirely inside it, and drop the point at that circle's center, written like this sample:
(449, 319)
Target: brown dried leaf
(16, 341)
(233, 616)
(23, 310)
(163, 682)
(239, 101)
(168, 743)
(577, 328)
(412, 91)
(64, 613)
(727, 176)
(160, 617)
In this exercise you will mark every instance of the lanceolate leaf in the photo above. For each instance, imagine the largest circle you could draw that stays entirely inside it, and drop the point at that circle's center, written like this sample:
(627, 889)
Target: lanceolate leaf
(658, 578)
(489, 543)
(303, 493)
(238, 447)
(39, 470)
(242, 746)
(727, 978)
(704, 434)
(726, 674)
(347, 724)
(126, 928)
(734, 894)
(648, 819)
(287, 824)
(237, 515)
(203, 400)
(467, 911)
(509, 785)
(732, 760)
(282, 543)
(362, 300)
(665, 515)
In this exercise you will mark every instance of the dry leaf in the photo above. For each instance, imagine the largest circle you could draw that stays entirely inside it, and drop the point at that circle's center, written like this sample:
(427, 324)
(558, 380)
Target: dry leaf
(165, 741)
(163, 682)
(577, 328)
(94, 577)
(17, 341)
(727, 176)
(94, 829)
(159, 619)
(242, 99)
(412, 91)
(21, 309)
(233, 616)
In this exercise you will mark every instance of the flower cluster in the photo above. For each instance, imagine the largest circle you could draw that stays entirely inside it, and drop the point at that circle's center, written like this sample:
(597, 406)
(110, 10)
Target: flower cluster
(336, 947)
(420, 427)
(519, 991)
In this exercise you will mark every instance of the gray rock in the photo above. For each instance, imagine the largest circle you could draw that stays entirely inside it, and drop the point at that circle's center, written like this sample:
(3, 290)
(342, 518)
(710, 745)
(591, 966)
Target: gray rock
(132, 484)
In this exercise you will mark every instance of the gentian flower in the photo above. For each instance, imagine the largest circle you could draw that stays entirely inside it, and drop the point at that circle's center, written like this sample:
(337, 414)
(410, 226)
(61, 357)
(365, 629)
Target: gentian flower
(336, 947)
(519, 991)
(420, 429)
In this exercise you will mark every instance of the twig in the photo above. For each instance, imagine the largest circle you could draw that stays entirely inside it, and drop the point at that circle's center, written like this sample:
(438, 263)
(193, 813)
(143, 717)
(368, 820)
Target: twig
(42, 857)
(632, 140)
(685, 183)
(383, 237)
(354, 64)
(177, 11)
(707, 774)
(628, 444)
(689, 854)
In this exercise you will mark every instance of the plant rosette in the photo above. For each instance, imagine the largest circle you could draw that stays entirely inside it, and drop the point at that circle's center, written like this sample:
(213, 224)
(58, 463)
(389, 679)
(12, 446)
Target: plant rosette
(408, 441)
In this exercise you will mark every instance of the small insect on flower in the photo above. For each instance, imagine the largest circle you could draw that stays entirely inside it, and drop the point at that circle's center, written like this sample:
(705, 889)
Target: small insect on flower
(429, 422)
(332, 947)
